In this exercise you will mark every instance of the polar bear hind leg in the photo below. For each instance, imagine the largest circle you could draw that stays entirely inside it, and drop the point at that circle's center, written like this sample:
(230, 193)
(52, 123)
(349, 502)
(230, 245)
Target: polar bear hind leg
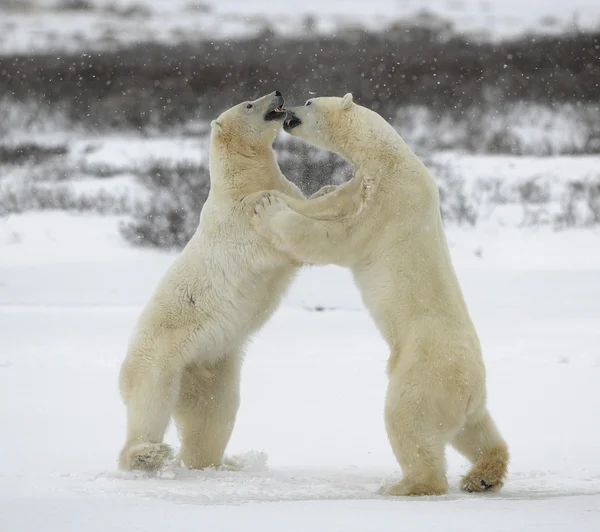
(418, 446)
(480, 442)
(149, 457)
(419, 425)
(149, 391)
(206, 410)
(148, 415)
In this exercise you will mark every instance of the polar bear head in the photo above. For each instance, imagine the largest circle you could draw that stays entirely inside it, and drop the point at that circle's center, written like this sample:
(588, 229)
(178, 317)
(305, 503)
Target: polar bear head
(324, 122)
(250, 126)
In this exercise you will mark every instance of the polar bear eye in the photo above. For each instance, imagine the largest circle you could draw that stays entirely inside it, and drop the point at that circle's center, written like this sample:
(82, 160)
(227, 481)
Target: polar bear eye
(249, 106)
(309, 102)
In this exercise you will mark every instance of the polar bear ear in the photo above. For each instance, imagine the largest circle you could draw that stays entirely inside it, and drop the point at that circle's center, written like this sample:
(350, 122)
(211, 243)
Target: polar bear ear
(347, 101)
(217, 126)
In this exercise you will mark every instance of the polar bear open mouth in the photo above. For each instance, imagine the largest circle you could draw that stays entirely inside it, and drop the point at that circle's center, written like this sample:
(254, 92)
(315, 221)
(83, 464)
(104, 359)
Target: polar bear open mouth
(291, 121)
(275, 111)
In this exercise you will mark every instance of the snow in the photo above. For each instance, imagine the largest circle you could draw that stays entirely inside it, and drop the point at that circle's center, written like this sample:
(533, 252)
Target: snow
(518, 127)
(315, 516)
(515, 191)
(122, 153)
(513, 170)
(309, 435)
(39, 25)
(310, 431)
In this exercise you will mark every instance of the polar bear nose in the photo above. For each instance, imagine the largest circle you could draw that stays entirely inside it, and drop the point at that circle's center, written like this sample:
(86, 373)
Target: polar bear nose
(277, 93)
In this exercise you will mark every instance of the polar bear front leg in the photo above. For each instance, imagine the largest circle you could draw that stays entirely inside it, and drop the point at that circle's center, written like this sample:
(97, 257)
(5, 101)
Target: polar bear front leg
(330, 203)
(336, 202)
(305, 239)
(149, 391)
(206, 410)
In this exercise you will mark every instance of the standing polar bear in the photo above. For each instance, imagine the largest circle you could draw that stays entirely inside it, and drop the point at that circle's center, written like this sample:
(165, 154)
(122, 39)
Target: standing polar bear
(400, 261)
(185, 355)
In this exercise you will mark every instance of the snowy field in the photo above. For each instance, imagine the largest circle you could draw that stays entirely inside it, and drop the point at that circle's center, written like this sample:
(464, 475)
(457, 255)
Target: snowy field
(41, 25)
(309, 435)
(310, 430)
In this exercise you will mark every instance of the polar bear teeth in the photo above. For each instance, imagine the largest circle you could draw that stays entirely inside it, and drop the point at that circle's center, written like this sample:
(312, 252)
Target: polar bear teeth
(278, 110)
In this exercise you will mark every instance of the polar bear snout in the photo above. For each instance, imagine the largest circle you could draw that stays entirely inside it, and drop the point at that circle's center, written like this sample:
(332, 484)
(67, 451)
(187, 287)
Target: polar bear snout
(291, 121)
(275, 110)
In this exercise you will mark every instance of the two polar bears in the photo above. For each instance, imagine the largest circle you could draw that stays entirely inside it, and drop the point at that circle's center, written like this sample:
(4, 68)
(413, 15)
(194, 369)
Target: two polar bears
(185, 357)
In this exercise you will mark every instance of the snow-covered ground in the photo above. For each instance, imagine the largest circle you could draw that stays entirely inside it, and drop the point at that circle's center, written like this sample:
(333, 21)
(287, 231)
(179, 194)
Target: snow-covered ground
(310, 430)
(30, 25)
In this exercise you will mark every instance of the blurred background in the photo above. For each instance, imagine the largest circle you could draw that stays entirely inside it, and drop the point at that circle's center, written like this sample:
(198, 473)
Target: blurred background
(105, 104)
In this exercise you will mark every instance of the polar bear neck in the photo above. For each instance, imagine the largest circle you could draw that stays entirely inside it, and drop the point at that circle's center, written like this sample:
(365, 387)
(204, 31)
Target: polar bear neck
(371, 139)
(243, 172)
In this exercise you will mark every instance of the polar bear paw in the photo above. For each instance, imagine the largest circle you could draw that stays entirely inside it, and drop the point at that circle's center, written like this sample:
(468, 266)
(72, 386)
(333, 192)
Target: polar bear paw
(488, 473)
(267, 204)
(148, 457)
(408, 488)
(475, 484)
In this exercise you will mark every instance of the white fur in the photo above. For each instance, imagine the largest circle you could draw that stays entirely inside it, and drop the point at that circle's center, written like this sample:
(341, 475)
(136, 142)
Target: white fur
(185, 355)
(398, 254)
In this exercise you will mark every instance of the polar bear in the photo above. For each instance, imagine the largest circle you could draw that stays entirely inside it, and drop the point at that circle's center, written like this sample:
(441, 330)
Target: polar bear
(185, 355)
(397, 251)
